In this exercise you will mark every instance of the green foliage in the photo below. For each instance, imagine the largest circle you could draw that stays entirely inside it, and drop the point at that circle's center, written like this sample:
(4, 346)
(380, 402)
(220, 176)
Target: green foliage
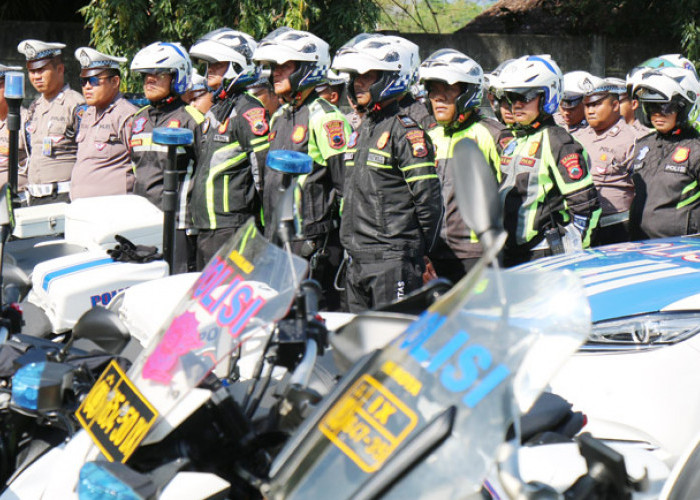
(122, 27)
(429, 16)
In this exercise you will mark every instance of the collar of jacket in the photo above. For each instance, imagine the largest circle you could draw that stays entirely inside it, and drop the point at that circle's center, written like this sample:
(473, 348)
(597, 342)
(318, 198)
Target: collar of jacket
(167, 104)
(540, 123)
(458, 125)
(381, 111)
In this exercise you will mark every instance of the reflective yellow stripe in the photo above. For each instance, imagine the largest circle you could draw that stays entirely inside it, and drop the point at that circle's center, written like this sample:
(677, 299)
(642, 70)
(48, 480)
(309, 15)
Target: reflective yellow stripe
(261, 148)
(195, 113)
(258, 140)
(209, 189)
(421, 177)
(349, 163)
(226, 178)
(375, 151)
(687, 189)
(417, 165)
(378, 165)
(251, 232)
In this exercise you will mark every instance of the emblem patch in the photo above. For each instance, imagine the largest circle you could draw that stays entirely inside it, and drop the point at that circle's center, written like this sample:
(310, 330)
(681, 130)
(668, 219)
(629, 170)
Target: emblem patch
(205, 126)
(383, 139)
(173, 124)
(681, 154)
(352, 142)
(407, 121)
(528, 162)
(417, 140)
(642, 153)
(256, 120)
(505, 160)
(603, 157)
(533, 149)
(335, 131)
(299, 134)
(139, 125)
(573, 166)
(223, 126)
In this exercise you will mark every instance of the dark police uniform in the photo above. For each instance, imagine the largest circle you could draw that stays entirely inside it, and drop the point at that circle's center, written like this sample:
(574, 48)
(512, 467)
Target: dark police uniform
(457, 247)
(392, 208)
(546, 181)
(234, 146)
(150, 160)
(319, 129)
(666, 172)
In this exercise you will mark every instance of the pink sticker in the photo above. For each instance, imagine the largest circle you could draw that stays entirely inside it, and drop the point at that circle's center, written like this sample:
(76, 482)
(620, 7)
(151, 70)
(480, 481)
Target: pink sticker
(182, 337)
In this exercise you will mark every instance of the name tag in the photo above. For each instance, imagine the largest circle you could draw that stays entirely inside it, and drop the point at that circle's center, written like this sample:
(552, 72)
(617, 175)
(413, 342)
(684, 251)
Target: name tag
(221, 138)
(376, 158)
(676, 169)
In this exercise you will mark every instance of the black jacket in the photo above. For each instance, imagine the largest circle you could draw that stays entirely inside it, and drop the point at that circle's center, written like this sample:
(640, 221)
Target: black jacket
(233, 150)
(666, 173)
(393, 204)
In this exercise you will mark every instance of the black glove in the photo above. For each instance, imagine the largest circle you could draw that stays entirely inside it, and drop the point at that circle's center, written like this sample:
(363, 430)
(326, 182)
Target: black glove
(126, 251)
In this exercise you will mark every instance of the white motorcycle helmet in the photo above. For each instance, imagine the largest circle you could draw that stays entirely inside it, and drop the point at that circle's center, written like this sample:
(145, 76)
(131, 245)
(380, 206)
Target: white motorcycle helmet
(451, 66)
(665, 61)
(394, 57)
(574, 85)
(678, 87)
(534, 72)
(308, 50)
(169, 57)
(234, 47)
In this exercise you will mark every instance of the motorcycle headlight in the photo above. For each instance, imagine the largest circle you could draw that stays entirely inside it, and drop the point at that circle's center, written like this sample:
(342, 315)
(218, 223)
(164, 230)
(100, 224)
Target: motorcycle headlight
(644, 331)
(113, 480)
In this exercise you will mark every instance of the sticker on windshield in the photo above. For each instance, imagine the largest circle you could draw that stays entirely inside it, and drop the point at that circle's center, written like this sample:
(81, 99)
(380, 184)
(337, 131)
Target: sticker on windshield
(368, 423)
(116, 414)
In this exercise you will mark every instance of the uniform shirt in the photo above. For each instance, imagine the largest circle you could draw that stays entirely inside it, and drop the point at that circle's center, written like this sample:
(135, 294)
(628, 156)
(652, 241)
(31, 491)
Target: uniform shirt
(149, 160)
(572, 129)
(393, 203)
(21, 154)
(610, 153)
(103, 166)
(666, 173)
(319, 129)
(546, 179)
(234, 146)
(640, 130)
(51, 130)
(456, 239)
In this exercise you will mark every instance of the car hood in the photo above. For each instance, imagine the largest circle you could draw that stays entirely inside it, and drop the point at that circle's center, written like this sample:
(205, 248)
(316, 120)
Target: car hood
(636, 277)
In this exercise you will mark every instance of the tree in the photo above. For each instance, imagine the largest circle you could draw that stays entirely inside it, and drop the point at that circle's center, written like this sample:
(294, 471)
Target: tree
(122, 27)
(429, 16)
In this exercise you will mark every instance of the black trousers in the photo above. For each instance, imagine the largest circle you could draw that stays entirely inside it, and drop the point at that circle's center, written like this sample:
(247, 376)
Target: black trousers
(209, 242)
(373, 283)
(324, 254)
(453, 269)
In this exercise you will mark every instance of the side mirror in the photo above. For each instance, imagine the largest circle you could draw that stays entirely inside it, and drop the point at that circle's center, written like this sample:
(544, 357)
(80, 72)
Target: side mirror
(104, 328)
(291, 164)
(477, 193)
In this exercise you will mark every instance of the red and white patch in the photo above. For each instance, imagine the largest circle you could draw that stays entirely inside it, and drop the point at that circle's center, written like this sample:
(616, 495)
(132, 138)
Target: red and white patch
(418, 144)
(257, 121)
(383, 140)
(139, 125)
(299, 134)
(681, 154)
(528, 162)
(335, 131)
(224, 126)
(173, 124)
(572, 164)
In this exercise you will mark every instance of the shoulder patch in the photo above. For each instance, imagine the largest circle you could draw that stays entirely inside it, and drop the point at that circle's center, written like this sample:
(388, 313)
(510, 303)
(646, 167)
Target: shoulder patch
(256, 119)
(572, 164)
(383, 139)
(643, 153)
(407, 121)
(352, 142)
(418, 144)
(335, 131)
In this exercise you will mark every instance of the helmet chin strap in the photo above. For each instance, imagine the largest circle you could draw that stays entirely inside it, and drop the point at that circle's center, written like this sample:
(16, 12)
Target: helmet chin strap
(167, 100)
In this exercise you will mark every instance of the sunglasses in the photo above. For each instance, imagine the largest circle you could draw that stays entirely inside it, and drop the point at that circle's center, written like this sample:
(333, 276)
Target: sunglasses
(94, 81)
(513, 97)
(665, 108)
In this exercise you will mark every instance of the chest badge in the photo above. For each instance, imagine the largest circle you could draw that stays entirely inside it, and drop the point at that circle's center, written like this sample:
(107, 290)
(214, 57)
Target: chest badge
(139, 125)
(224, 126)
(352, 142)
(681, 154)
(383, 140)
(299, 134)
(173, 124)
(335, 131)
(533, 149)
(256, 120)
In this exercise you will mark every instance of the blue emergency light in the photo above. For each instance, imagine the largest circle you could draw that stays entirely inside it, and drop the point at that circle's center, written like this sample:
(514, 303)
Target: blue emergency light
(40, 386)
(14, 85)
(289, 162)
(173, 136)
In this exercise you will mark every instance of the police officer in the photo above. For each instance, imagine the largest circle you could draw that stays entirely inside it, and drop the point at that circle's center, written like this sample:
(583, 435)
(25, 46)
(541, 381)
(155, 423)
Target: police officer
(571, 114)
(234, 143)
(393, 204)
(307, 123)
(628, 107)
(666, 164)
(454, 83)
(264, 92)
(103, 166)
(5, 137)
(332, 89)
(198, 95)
(52, 124)
(166, 70)
(547, 191)
(609, 142)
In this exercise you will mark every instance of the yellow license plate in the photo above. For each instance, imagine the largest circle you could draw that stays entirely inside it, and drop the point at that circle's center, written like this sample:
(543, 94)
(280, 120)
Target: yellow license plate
(368, 423)
(116, 415)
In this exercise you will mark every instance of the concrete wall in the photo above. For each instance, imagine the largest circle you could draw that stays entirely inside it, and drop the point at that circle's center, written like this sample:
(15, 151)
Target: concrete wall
(596, 54)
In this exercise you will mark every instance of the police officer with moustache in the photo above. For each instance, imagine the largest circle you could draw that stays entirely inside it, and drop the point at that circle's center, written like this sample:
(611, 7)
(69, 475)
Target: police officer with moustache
(609, 142)
(5, 137)
(547, 190)
(52, 124)
(666, 163)
(103, 166)
(393, 205)
(166, 70)
(454, 83)
(307, 123)
(234, 143)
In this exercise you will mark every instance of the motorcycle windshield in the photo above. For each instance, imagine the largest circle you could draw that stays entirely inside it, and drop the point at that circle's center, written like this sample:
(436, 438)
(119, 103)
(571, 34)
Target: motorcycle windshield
(423, 418)
(247, 286)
